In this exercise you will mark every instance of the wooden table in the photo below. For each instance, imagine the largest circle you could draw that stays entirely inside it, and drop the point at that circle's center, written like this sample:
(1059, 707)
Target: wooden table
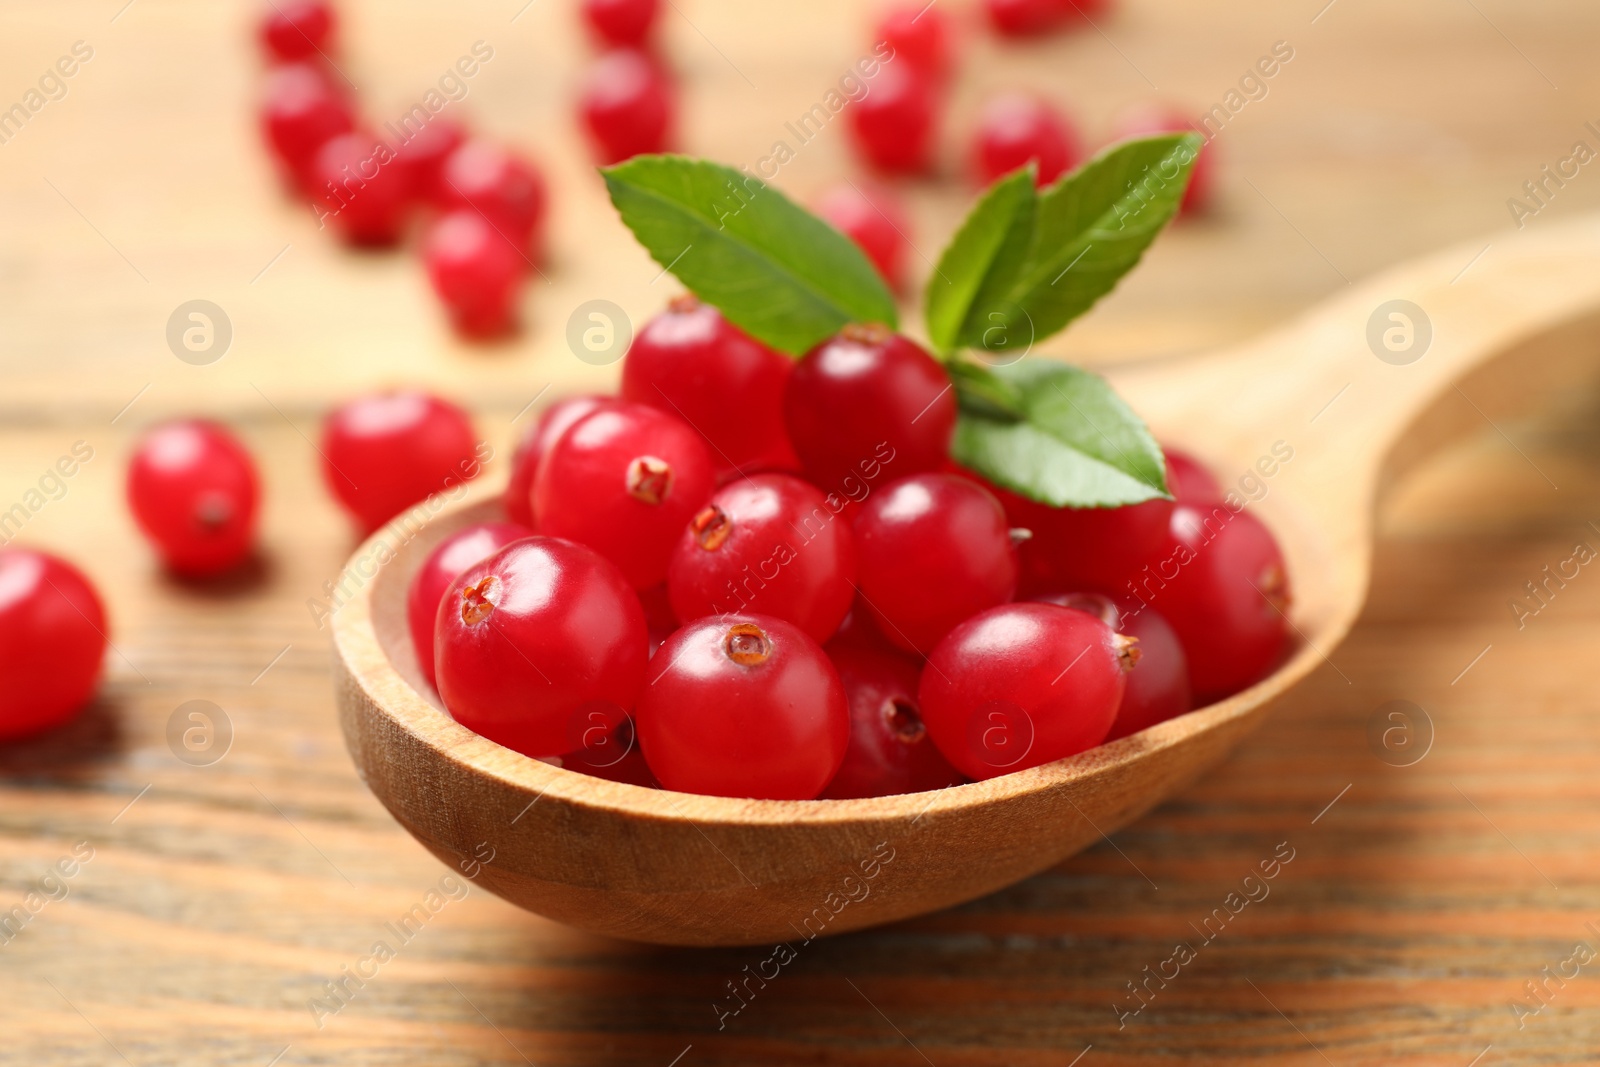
(220, 899)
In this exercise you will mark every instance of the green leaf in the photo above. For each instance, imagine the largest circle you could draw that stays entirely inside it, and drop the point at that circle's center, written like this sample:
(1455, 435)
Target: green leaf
(983, 255)
(1089, 229)
(774, 269)
(1075, 445)
(983, 392)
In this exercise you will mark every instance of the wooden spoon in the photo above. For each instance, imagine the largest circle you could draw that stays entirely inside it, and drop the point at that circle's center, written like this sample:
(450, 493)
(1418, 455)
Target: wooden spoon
(1509, 328)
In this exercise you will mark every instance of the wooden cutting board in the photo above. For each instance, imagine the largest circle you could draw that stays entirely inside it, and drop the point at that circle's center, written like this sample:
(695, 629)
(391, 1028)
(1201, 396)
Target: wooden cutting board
(219, 900)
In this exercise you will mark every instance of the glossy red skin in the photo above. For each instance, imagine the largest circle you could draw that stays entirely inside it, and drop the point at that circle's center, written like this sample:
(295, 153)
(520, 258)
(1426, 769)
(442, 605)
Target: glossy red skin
(892, 126)
(881, 761)
(556, 420)
(567, 637)
(385, 452)
(1094, 549)
(444, 565)
(1015, 128)
(921, 35)
(1149, 120)
(626, 105)
(658, 615)
(1158, 688)
(691, 362)
(193, 489)
(1212, 581)
(776, 730)
(300, 112)
(507, 190)
(860, 401)
(580, 489)
(1019, 670)
(932, 550)
(292, 30)
(52, 642)
(423, 156)
(362, 190)
(620, 23)
(873, 221)
(476, 273)
(786, 554)
(1190, 481)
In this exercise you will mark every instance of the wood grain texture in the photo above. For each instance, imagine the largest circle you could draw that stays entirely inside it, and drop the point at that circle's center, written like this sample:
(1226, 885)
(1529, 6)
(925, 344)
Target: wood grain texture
(220, 902)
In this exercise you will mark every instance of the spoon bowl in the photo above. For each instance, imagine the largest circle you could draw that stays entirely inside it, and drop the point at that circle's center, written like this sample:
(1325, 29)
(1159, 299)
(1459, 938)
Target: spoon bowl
(1356, 396)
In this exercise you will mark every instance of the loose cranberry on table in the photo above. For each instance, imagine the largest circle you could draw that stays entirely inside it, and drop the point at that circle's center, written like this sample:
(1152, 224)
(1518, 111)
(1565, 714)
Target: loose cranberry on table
(297, 29)
(1189, 480)
(920, 34)
(620, 23)
(385, 452)
(1159, 689)
(362, 190)
(476, 272)
(876, 222)
(627, 105)
(1015, 128)
(508, 191)
(868, 403)
(534, 641)
(1022, 685)
(691, 362)
(743, 706)
(422, 157)
(556, 420)
(1152, 119)
(1224, 587)
(443, 566)
(624, 480)
(193, 489)
(767, 544)
(300, 112)
(893, 125)
(932, 550)
(890, 751)
(52, 642)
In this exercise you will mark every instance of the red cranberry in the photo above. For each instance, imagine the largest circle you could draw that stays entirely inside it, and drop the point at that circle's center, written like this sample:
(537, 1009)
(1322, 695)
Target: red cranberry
(506, 190)
(890, 751)
(52, 641)
(556, 420)
(933, 549)
(1223, 585)
(614, 755)
(659, 618)
(1190, 481)
(422, 155)
(920, 34)
(1159, 689)
(1094, 549)
(865, 399)
(767, 544)
(691, 362)
(443, 566)
(875, 222)
(1150, 120)
(297, 29)
(893, 124)
(361, 190)
(533, 640)
(1025, 18)
(476, 272)
(385, 452)
(743, 706)
(1017, 127)
(300, 112)
(194, 492)
(626, 105)
(620, 23)
(1022, 685)
(624, 480)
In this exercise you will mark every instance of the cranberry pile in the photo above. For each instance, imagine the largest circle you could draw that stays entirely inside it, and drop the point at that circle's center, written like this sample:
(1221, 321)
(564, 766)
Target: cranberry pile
(756, 577)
